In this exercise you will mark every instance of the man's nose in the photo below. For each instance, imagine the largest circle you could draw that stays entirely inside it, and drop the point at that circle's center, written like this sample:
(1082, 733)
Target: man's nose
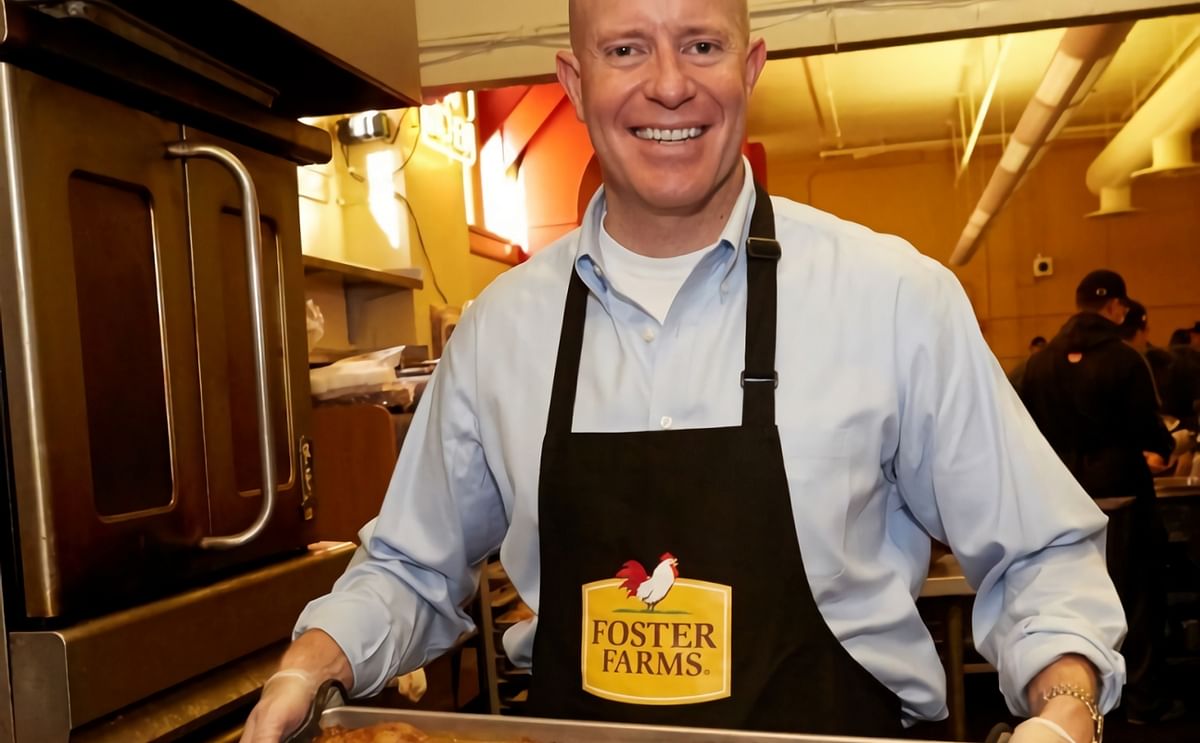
(669, 85)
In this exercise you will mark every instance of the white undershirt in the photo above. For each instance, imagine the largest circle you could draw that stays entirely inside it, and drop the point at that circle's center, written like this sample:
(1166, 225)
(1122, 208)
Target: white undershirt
(650, 282)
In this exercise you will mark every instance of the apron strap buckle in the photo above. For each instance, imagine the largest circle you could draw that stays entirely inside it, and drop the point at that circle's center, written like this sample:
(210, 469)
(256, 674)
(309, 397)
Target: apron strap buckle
(765, 248)
(760, 378)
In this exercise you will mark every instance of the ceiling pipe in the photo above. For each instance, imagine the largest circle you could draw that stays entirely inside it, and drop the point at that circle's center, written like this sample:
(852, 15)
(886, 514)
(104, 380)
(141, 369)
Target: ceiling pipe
(1078, 63)
(953, 141)
(1155, 141)
(984, 106)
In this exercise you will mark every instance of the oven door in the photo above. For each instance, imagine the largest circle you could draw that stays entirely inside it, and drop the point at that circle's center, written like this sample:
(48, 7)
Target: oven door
(228, 377)
(132, 358)
(99, 344)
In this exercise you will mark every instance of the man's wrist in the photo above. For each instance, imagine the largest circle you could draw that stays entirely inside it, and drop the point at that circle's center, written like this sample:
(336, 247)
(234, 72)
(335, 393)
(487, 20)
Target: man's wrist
(1078, 717)
(1063, 692)
(1072, 669)
(317, 653)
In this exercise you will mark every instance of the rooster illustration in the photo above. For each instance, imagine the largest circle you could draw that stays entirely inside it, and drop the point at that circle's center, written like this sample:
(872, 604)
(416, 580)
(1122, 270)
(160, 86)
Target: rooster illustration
(651, 589)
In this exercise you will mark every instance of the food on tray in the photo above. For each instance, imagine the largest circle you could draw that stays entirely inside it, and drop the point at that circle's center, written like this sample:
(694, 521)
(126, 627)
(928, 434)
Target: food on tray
(399, 732)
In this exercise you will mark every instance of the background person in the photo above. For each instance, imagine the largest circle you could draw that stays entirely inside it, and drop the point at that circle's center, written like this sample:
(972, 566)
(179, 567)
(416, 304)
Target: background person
(1093, 396)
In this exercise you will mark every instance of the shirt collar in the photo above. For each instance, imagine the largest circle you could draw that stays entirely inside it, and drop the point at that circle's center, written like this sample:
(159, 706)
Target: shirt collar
(589, 261)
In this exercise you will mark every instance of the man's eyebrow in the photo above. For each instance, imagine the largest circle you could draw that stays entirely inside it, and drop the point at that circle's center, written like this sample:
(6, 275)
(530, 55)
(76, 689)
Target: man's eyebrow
(604, 36)
(701, 30)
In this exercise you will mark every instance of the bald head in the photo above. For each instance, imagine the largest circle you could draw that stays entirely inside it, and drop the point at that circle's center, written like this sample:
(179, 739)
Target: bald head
(582, 12)
(663, 87)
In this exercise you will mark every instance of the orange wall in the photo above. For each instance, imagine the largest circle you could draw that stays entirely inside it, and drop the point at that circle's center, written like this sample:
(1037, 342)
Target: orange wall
(553, 169)
(914, 195)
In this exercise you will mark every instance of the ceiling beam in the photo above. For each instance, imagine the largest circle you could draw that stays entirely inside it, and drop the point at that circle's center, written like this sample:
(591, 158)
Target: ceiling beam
(465, 43)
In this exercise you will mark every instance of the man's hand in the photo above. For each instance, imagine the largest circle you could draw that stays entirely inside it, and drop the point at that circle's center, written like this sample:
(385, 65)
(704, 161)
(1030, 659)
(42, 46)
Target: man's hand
(286, 699)
(287, 696)
(1065, 712)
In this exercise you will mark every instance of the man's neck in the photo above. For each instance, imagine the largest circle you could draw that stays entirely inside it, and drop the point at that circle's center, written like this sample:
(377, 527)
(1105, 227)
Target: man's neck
(666, 235)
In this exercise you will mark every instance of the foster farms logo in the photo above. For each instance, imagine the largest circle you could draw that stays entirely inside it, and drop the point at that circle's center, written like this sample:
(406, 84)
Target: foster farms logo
(656, 638)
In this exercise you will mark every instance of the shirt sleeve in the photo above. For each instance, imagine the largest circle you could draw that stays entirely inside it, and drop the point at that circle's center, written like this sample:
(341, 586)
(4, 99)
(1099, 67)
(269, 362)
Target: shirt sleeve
(400, 603)
(975, 471)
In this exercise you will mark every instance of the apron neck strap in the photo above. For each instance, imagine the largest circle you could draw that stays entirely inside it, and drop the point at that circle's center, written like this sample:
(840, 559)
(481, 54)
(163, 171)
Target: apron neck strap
(566, 369)
(759, 379)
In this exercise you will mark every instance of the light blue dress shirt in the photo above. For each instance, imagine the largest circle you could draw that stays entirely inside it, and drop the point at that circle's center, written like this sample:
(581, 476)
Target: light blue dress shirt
(897, 424)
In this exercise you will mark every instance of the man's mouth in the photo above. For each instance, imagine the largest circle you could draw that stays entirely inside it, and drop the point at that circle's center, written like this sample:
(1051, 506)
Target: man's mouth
(668, 136)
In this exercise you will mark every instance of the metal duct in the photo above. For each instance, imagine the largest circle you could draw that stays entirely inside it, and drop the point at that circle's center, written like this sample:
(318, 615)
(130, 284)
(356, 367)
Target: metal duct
(1078, 63)
(1156, 140)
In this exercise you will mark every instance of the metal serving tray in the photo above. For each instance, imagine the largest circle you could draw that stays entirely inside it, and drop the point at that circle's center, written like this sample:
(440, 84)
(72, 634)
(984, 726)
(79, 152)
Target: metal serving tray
(492, 727)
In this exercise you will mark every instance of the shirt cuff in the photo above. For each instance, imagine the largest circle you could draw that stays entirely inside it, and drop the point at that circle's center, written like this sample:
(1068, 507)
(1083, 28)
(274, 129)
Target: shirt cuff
(1031, 653)
(361, 630)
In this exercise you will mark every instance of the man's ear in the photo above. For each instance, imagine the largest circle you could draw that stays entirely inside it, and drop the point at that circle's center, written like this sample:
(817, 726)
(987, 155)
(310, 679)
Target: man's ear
(567, 68)
(755, 60)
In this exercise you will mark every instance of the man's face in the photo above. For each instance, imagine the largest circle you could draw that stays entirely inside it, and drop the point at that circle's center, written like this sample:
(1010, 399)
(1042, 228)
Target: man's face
(663, 87)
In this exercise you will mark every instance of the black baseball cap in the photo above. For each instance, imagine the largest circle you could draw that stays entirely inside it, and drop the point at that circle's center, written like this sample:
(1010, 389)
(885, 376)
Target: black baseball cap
(1102, 284)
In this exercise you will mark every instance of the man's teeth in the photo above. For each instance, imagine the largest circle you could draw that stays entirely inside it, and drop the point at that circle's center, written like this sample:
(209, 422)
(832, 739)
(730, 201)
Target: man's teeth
(668, 135)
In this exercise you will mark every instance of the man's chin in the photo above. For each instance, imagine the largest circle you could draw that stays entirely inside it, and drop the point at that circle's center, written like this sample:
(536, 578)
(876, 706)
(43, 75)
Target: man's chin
(685, 198)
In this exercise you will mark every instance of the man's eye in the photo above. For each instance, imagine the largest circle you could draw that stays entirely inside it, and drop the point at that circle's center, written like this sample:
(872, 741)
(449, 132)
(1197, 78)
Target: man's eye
(704, 47)
(622, 51)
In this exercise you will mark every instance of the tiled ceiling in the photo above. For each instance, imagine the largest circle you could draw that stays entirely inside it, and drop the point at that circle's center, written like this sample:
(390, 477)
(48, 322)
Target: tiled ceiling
(911, 94)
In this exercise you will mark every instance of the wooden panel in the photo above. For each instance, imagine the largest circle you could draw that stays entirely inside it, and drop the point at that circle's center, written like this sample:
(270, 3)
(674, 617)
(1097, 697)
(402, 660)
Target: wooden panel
(354, 452)
(239, 375)
(122, 346)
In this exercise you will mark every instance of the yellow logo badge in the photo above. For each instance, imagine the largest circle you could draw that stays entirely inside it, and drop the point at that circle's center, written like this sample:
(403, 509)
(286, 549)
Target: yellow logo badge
(656, 638)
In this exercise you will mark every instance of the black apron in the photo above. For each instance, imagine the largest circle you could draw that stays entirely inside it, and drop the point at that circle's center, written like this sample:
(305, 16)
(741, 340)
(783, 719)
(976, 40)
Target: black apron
(622, 506)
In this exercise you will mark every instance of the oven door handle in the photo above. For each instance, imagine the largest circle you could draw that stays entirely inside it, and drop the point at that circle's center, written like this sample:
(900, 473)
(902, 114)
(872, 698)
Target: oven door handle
(266, 442)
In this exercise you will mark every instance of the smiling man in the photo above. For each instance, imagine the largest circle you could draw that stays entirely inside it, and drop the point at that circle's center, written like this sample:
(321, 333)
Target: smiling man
(715, 464)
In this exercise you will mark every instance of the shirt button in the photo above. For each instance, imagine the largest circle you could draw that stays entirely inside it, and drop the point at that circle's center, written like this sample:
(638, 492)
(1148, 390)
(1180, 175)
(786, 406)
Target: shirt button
(649, 335)
(666, 422)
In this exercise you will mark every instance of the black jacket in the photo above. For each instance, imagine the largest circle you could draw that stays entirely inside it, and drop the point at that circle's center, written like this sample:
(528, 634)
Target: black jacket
(1093, 397)
(1177, 373)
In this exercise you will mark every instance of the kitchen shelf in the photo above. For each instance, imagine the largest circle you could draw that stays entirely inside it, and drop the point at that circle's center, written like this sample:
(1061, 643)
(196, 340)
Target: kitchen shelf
(364, 309)
(354, 275)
